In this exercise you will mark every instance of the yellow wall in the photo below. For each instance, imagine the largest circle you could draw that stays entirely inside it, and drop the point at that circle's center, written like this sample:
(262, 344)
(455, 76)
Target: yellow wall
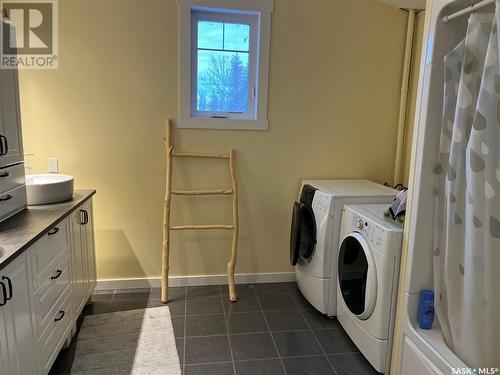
(335, 76)
(412, 97)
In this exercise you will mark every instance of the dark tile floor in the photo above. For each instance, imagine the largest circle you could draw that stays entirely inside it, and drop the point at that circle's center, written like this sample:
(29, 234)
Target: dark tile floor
(271, 329)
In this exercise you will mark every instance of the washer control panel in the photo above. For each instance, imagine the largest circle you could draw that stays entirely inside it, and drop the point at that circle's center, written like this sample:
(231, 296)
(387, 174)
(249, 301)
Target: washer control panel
(373, 233)
(321, 202)
(368, 220)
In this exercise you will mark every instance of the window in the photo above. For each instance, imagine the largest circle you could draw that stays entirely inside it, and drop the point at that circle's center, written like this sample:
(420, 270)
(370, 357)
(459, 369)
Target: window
(223, 64)
(224, 58)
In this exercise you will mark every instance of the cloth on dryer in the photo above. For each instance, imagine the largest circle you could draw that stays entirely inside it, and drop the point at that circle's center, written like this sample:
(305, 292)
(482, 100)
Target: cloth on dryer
(397, 209)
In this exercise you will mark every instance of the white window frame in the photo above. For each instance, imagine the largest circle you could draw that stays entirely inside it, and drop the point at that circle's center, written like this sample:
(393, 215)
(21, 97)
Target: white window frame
(256, 13)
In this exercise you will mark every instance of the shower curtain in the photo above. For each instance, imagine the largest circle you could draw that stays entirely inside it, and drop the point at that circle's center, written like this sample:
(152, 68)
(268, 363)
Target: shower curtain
(467, 207)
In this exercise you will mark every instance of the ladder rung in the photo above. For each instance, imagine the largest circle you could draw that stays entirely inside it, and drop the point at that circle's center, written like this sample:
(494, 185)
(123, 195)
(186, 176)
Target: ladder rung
(202, 192)
(199, 155)
(189, 227)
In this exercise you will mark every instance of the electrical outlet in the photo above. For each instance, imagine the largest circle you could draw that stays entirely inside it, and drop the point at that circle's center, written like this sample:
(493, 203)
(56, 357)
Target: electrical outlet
(53, 165)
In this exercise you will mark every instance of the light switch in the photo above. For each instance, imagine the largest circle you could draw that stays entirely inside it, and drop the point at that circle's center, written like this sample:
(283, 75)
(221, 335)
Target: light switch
(53, 165)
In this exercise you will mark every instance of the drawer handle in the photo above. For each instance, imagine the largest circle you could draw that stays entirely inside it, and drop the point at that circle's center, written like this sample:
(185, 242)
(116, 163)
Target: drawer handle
(4, 146)
(5, 197)
(4, 174)
(57, 274)
(53, 231)
(4, 294)
(85, 219)
(61, 315)
(9, 284)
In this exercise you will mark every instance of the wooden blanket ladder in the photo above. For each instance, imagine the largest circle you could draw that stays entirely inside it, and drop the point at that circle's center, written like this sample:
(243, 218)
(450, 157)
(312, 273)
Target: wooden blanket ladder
(167, 227)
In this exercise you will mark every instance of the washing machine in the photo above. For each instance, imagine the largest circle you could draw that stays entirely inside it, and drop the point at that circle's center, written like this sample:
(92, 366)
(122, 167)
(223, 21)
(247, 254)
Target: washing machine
(315, 231)
(368, 272)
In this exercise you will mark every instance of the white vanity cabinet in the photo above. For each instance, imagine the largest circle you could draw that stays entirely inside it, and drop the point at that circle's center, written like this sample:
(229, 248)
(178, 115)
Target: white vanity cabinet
(89, 241)
(43, 291)
(83, 261)
(51, 279)
(17, 344)
(77, 261)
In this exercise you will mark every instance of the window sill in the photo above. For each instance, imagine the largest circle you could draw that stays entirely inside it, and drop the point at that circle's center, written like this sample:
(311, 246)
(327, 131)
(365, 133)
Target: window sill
(222, 124)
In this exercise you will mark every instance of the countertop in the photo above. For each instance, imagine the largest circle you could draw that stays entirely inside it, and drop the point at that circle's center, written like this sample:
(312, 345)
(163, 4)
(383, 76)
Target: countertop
(20, 231)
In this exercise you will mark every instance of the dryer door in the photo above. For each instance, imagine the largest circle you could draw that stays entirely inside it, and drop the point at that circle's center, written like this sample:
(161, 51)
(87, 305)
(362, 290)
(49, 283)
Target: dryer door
(357, 275)
(303, 233)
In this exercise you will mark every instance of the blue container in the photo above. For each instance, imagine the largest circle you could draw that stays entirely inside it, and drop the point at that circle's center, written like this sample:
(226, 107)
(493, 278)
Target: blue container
(426, 309)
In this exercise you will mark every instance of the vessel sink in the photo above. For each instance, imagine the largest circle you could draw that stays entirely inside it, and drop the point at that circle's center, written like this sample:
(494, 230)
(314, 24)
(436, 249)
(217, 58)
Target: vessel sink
(48, 188)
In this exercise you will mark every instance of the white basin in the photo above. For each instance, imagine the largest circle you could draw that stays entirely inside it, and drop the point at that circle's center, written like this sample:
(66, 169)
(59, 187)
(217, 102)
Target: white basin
(48, 188)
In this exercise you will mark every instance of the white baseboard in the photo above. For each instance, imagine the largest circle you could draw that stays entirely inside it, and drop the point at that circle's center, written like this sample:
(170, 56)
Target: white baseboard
(155, 282)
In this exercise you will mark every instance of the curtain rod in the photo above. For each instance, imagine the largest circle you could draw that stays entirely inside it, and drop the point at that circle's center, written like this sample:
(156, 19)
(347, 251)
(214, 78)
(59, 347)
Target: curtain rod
(468, 10)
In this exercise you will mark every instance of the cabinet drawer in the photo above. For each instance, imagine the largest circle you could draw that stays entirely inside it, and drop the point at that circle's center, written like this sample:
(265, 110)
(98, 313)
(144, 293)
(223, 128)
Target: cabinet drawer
(50, 291)
(12, 201)
(56, 331)
(11, 177)
(48, 251)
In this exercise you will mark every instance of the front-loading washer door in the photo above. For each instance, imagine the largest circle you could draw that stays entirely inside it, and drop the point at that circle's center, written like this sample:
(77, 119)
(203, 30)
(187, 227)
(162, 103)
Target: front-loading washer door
(303, 233)
(357, 275)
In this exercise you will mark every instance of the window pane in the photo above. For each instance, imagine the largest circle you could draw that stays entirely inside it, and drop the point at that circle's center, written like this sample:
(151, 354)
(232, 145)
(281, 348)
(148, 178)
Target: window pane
(222, 81)
(236, 36)
(210, 34)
